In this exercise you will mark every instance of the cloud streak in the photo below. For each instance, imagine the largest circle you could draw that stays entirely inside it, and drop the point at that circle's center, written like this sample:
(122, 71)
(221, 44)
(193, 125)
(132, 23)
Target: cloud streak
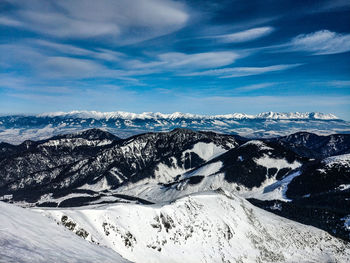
(98, 53)
(322, 42)
(242, 71)
(254, 87)
(182, 62)
(119, 21)
(198, 60)
(244, 36)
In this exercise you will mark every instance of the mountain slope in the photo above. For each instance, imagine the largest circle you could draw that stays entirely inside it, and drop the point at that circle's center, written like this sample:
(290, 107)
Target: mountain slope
(94, 167)
(204, 227)
(246, 169)
(319, 195)
(315, 146)
(68, 162)
(329, 174)
(26, 236)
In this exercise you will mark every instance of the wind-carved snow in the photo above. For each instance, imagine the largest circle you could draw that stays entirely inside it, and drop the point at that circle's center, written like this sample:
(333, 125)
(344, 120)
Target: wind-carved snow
(271, 188)
(154, 192)
(269, 162)
(133, 147)
(272, 191)
(205, 151)
(206, 170)
(260, 144)
(73, 143)
(164, 174)
(343, 160)
(49, 198)
(204, 227)
(100, 185)
(27, 236)
(117, 174)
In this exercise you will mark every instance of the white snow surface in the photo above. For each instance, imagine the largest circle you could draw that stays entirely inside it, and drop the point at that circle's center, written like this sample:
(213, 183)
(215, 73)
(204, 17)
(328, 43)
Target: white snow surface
(272, 189)
(154, 192)
(270, 162)
(261, 145)
(75, 142)
(206, 170)
(204, 227)
(28, 237)
(100, 185)
(343, 159)
(165, 173)
(14, 128)
(205, 151)
(178, 115)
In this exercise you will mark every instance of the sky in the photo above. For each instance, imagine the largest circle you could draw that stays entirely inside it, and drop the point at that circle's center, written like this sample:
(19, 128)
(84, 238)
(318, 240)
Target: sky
(196, 56)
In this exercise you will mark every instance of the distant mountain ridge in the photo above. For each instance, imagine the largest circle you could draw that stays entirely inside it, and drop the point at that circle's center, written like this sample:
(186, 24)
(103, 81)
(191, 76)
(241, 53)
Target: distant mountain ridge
(17, 128)
(179, 115)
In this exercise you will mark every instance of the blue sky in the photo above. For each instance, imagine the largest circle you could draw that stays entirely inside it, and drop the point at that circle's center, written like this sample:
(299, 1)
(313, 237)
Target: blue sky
(206, 57)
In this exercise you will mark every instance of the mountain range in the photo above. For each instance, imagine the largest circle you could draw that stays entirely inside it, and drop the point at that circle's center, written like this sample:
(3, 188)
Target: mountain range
(152, 197)
(17, 128)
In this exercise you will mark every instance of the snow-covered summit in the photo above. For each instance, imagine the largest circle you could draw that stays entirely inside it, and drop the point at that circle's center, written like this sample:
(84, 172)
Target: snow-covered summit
(203, 227)
(296, 115)
(179, 115)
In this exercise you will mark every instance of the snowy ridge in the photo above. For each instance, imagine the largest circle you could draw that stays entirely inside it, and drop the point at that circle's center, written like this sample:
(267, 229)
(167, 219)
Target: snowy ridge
(179, 115)
(17, 128)
(26, 236)
(221, 228)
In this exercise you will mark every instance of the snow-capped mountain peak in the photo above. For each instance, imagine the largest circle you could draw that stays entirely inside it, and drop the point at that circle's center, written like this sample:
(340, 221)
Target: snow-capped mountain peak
(179, 115)
(221, 228)
(17, 128)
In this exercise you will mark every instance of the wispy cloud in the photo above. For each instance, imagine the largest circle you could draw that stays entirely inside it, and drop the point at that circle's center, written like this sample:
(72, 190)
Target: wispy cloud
(254, 87)
(322, 42)
(71, 67)
(340, 83)
(120, 21)
(185, 62)
(242, 71)
(98, 53)
(246, 35)
(331, 5)
(7, 21)
(336, 83)
(198, 60)
(42, 65)
(50, 59)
